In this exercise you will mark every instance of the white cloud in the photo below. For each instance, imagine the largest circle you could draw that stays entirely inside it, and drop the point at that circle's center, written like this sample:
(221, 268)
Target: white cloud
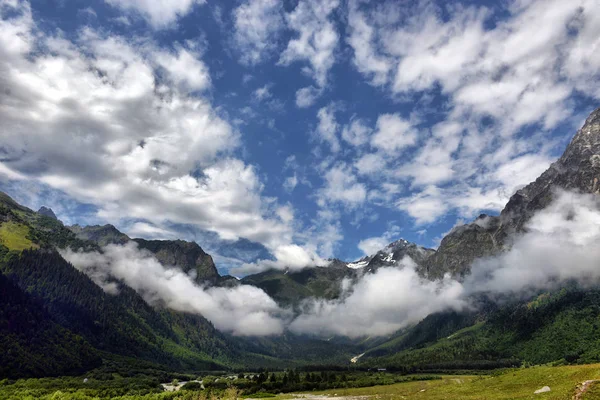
(356, 133)
(362, 40)
(243, 310)
(425, 206)
(327, 128)
(342, 186)
(262, 93)
(290, 183)
(393, 133)
(316, 38)
(159, 13)
(306, 96)
(558, 245)
(496, 81)
(380, 304)
(185, 69)
(373, 244)
(287, 257)
(370, 163)
(257, 24)
(91, 119)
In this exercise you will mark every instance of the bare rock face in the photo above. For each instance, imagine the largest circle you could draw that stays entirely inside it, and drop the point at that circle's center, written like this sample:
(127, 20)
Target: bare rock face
(578, 169)
(47, 212)
(185, 255)
(394, 252)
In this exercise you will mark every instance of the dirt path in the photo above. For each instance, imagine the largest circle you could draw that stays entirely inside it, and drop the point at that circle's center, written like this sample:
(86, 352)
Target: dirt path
(582, 388)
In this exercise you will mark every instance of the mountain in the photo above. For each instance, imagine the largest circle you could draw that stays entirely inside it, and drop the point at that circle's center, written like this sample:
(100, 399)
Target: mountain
(55, 320)
(52, 312)
(187, 256)
(32, 343)
(47, 212)
(390, 255)
(291, 287)
(549, 326)
(577, 169)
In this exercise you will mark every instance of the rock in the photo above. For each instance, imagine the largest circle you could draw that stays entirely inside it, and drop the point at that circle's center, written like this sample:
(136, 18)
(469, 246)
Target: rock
(542, 390)
(47, 212)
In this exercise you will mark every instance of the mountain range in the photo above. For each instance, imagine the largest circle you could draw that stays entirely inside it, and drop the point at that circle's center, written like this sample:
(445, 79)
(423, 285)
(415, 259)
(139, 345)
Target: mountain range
(56, 320)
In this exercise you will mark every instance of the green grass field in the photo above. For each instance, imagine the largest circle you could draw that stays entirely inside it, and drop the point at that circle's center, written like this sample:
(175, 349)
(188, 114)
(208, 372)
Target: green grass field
(509, 384)
(512, 384)
(14, 236)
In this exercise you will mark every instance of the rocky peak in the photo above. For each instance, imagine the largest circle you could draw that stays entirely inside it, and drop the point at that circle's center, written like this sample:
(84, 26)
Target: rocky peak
(391, 254)
(188, 256)
(178, 253)
(46, 211)
(100, 234)
(577, 169)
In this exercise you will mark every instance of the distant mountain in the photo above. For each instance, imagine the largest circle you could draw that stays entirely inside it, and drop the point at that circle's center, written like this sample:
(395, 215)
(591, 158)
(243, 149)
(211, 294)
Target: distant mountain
(390, 255)
(47, 212)
(291, 287)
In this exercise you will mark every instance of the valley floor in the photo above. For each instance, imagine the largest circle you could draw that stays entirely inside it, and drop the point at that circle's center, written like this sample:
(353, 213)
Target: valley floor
(564, 382)
(581, 382)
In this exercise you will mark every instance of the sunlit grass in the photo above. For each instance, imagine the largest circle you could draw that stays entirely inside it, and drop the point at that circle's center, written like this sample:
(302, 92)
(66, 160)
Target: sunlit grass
(14, 236)
(512, 384)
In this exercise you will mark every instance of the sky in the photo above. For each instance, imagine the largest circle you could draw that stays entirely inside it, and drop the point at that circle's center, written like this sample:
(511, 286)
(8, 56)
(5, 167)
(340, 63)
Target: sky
(282, 134)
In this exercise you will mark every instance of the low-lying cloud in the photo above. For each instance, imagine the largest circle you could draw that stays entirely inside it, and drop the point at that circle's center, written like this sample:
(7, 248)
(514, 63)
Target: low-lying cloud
(559, 244)
(243, 310)
(380, 304)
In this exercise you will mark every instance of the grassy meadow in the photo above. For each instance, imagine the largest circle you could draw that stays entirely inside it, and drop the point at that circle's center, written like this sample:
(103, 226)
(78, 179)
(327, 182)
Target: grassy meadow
(563, 381)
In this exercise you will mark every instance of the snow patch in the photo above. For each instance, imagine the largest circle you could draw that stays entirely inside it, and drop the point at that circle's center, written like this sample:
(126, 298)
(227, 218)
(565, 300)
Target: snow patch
(358, 264)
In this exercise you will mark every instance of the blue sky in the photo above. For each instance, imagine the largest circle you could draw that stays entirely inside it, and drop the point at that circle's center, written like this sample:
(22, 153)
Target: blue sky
(280, 134)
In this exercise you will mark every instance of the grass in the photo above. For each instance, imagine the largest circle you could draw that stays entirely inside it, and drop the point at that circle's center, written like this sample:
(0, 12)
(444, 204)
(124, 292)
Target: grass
(14, 236)
(512, 384)
(507, 384)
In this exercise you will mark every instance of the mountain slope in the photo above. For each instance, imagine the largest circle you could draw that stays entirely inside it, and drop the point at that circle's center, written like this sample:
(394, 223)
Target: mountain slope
(187, 256)
(122, 324)
(577, 169)
(32, 343)
(553, 325)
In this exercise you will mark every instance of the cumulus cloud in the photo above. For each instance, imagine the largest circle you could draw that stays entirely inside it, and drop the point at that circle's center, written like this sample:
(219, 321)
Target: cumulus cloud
(262, 93)
(286, 257)
(315, 41)
(111, 122)
(373, 244)
(257, 24)
(356, 133)
(393, 133)
(494, 90)
(307, 96)
(557, 246)
(341, 185)
(327, 128)
(380, 304)
(160, 14)
(243, 310)
(362, 38)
